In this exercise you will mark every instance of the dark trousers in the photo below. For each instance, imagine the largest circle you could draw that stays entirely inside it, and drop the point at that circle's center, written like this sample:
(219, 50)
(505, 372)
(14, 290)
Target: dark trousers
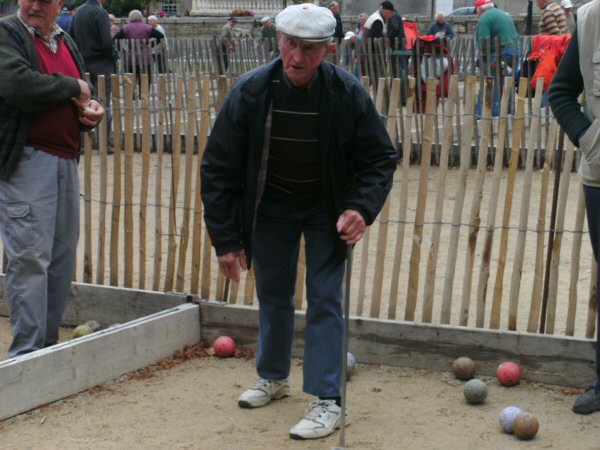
(592, 205)
(276, 245)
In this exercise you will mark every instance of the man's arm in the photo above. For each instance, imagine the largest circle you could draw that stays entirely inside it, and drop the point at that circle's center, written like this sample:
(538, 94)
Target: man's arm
(36, 91)
(564, 91)
(223, 176)
(374, 160)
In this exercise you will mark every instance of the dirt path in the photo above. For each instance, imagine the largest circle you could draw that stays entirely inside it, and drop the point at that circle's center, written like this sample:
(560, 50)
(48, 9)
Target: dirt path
(192, 405)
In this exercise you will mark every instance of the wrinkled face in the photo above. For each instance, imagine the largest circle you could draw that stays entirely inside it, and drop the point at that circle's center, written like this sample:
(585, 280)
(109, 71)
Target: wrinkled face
(363, 20)
(40, 14)
(540, 3)
(301, 59)
(335, 9)
(441, 19)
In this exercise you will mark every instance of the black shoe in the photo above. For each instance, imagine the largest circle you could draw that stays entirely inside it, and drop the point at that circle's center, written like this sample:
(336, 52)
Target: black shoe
(110, 150)
(587, 403)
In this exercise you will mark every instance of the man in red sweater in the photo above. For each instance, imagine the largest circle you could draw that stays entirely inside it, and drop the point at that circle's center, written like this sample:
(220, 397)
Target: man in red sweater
(44, 104)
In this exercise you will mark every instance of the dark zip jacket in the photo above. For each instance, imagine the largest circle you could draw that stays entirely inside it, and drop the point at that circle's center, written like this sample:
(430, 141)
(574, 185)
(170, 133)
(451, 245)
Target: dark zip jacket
(357, 157)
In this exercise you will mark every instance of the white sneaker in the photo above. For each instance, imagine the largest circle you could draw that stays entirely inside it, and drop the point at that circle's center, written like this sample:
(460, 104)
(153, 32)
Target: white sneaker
(321, 418)
(262, 392)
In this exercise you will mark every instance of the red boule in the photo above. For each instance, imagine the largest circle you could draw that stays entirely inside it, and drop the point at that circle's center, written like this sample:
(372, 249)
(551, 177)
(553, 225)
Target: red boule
(508, 373)
(224, 346)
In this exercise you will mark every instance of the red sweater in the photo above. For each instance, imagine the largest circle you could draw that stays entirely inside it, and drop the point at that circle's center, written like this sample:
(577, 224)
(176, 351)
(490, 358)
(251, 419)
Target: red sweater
(55, 130)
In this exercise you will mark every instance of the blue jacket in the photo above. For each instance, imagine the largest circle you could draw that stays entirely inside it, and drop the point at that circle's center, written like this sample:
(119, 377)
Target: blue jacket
(357, 157)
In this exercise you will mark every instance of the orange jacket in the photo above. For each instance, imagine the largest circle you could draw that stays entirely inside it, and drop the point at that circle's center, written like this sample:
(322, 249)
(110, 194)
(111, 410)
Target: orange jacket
(547, 50)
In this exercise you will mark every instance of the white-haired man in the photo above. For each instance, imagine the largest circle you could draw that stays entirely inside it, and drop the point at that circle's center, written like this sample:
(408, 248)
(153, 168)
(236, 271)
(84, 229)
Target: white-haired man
(297, 149)
(159, 51)
(44, 104)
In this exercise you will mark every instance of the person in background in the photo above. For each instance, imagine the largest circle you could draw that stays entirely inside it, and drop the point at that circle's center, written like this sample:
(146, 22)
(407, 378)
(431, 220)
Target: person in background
(139, 35)
(395, 35)
(44, 104)
(91, 31)
(298, 148)
(375, 29)
(114, 27)
(553, 20)
(570, 16)
(495, 25)
(227, 40)
(360, 26)
(65, 18)
(576, 74)
(159, 51)
(338, 35)
(440, 28)
(268, 34)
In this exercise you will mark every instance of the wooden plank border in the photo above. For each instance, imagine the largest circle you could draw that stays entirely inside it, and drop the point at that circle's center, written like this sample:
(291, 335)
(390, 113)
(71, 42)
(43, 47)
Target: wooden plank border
(559, 360)
(108, 304)
(47, 375)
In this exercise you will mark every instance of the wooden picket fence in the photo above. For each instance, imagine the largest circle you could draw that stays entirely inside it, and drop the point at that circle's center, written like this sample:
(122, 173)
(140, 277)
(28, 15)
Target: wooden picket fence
(493, 242)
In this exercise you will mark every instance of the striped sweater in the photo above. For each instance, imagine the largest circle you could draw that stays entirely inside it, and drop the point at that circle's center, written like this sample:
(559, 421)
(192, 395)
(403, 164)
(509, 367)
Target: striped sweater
(553, 20)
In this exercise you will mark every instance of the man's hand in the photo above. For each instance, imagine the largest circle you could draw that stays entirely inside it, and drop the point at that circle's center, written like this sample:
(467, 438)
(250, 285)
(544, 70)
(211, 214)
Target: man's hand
(230, 263)
(351, 226)
(91, 113)
(85, 95)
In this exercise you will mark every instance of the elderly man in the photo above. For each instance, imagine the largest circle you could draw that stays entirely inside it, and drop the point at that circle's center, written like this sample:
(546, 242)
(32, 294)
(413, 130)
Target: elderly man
(268, 35)
(159, 50)
(227, 41)
(440, 28)
(577, 73)
(44, 103)
(139, 36)
(297, 149)
(553, 20)
(339, 29)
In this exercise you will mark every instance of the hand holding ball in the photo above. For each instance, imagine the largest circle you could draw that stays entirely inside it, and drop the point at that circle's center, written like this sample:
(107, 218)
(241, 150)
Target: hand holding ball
(224, 346)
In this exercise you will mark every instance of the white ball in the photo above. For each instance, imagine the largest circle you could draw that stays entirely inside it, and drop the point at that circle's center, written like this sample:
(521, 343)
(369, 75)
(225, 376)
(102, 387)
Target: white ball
(508, 416)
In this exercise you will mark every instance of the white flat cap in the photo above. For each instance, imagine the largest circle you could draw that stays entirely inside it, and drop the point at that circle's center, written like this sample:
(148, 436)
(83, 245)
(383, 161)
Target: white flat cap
(265, 19)
(349, 35)
(566, 4)
(306, 21)
(153, 18)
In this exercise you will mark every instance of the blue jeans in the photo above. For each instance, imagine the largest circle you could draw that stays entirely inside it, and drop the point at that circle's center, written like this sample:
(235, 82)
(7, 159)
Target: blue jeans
(276, 244)
(592, 205)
